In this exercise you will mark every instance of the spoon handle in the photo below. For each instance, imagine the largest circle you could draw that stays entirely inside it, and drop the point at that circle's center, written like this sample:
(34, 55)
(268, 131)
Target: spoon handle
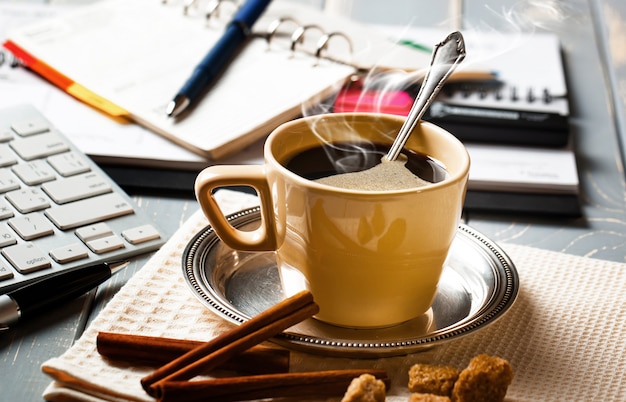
(447, 55)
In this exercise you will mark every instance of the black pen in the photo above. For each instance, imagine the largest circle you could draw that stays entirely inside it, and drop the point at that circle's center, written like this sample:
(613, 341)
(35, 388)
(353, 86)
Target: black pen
(234, 36)
(50, 291)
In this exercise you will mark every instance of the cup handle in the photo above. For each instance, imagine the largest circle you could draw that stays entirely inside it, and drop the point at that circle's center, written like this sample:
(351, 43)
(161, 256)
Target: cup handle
(211, 178)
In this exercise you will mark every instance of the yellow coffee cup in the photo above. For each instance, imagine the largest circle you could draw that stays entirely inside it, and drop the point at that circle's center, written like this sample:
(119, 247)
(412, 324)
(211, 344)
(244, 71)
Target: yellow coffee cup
(370, 258)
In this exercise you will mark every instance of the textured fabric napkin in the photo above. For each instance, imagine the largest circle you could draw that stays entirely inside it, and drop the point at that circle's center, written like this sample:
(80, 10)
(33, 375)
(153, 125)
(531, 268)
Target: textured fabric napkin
(564, 336)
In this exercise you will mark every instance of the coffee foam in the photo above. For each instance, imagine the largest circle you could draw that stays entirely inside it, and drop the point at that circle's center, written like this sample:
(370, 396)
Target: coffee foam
(386, 176)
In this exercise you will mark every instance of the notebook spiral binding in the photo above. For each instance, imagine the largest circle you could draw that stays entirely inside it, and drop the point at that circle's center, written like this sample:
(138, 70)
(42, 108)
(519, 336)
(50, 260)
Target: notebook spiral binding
(500, 92)
(297, 36)
(212, 10)
(502, 114)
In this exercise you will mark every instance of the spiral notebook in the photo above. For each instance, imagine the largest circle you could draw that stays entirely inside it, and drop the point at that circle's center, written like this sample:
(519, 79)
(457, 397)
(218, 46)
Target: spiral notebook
(527, 103)
(129, 58)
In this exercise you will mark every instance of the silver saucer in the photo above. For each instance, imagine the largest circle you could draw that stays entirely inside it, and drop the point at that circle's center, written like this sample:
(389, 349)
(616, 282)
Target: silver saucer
(478, 285)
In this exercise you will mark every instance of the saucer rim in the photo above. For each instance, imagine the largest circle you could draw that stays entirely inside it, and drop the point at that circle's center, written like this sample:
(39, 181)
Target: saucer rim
(505, 295)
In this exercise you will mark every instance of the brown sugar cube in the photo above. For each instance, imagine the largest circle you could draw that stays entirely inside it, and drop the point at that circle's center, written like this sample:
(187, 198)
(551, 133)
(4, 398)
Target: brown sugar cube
(365, 388)
(485, 379)
(432, 379)
(418, 397)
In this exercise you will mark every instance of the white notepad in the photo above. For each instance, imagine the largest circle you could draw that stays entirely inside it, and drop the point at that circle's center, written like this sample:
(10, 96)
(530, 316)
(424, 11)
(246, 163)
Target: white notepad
(132, 58)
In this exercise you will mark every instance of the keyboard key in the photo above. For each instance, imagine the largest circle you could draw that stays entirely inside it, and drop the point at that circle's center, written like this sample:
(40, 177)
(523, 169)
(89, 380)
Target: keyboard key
(8, 181)
(91, 232)
(26, 257)
(5, 211)
(69, 253)
(7, 236)
(7, 157)
(31, 226)
(28, 200)
(105, 244)
(33, 173)
(69, 164)
(39, 146)
(76, 188)
(6, 134)
(46, 181)
(91, 210)
(5, 272)
(140, 234)
(29, 127)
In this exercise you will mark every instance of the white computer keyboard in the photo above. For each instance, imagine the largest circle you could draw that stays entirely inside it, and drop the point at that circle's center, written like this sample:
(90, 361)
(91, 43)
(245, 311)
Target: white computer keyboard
(58, 210)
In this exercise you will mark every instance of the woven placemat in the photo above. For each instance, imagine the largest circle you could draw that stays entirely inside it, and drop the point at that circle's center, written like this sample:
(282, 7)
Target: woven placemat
(564, 336)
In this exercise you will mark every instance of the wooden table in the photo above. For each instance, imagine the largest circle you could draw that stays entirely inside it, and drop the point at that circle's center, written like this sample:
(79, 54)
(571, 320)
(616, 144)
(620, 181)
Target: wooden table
(596, 81)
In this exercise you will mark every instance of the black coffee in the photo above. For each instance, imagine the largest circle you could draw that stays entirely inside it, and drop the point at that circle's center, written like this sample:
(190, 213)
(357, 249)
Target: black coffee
(349, 157)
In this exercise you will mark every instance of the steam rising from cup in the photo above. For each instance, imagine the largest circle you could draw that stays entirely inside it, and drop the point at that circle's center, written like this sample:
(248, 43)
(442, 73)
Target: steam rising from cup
(504, 26)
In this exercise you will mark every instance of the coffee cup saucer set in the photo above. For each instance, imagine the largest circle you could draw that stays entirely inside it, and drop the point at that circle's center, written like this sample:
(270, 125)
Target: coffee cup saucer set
(478, 285)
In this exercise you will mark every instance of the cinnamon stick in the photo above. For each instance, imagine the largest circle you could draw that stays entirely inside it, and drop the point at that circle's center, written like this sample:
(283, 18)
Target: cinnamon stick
(224, 347)
(301, 385)
(160, 350)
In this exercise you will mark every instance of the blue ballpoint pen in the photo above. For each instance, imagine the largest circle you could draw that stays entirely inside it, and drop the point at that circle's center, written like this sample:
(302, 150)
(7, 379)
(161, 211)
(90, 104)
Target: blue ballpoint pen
(51, 291)
(235, 34)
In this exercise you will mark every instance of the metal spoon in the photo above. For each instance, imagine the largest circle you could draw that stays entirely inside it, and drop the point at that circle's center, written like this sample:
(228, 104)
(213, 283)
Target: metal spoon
(447, 55)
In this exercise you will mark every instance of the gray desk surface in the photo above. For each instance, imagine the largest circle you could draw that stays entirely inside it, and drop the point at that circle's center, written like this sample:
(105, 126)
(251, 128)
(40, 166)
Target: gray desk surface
(591, 33)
